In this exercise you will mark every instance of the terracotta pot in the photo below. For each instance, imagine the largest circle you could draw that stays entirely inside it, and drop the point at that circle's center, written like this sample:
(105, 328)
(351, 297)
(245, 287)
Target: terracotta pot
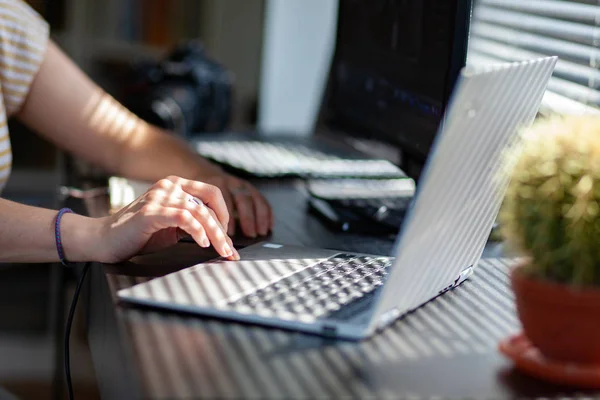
(561, 321)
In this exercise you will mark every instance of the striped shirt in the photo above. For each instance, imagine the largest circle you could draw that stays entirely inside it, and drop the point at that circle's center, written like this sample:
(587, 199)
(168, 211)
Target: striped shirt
(23, 40)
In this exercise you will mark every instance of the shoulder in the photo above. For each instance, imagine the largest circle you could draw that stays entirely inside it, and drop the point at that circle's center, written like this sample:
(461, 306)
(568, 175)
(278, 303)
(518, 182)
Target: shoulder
(23, 42)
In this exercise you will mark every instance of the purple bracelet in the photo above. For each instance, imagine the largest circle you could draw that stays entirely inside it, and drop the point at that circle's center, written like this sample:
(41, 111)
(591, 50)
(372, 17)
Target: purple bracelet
(59, 247)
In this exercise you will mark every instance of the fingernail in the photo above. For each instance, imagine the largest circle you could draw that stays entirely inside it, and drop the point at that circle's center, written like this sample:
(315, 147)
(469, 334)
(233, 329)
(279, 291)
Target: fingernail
(227, 250)
(205, 242)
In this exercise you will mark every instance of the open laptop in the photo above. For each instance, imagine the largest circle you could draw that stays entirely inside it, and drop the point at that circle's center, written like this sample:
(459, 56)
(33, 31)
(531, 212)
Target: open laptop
(351, 296)
(386, 88)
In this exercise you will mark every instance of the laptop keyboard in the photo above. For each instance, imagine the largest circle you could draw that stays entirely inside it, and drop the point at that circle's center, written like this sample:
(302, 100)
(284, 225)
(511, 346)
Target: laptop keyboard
(320, 289)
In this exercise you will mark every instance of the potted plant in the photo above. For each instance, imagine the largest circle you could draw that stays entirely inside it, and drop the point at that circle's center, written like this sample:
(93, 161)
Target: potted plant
(551, 216)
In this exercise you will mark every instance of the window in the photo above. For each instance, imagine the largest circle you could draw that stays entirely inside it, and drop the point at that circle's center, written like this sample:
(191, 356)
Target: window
(512, 30)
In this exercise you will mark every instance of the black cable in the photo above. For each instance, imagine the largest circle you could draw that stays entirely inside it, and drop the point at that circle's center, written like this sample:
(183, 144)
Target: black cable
(68, 329)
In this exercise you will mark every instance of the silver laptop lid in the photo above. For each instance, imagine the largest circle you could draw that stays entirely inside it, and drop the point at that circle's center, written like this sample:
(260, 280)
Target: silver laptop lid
(460, 194)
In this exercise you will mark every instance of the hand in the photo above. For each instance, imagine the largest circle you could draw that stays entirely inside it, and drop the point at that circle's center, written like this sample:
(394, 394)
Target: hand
(159, 218)
(252, 209)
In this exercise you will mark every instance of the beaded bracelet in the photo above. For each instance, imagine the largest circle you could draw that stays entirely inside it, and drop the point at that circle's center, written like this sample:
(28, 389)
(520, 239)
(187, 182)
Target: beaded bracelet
(59, 247)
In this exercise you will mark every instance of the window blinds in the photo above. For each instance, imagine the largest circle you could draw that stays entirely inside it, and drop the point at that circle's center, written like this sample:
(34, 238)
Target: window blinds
(511, 30)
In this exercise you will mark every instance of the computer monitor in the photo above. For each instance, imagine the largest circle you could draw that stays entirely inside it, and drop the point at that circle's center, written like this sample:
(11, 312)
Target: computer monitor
(394, 68)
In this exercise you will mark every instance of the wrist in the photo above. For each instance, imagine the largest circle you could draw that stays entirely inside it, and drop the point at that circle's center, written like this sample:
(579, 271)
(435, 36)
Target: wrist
(80, 238)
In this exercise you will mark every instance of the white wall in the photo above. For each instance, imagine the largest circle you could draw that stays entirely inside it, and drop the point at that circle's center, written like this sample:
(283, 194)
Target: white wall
(232, 31)
(298, 43)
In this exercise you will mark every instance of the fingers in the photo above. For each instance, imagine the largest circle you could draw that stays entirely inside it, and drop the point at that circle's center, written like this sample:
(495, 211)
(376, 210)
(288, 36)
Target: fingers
(214, 230)
(236, 254)
(245, 210)
(209, 194)
(230, 206)
(262, 211)
(253, 210)
(194, 217)
(173, 217)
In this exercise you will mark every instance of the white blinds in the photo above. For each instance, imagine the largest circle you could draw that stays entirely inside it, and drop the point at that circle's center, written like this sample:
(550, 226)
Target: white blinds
(510, 30)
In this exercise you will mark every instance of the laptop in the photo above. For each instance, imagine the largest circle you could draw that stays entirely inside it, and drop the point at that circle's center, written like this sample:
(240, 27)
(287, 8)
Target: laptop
(352, 296)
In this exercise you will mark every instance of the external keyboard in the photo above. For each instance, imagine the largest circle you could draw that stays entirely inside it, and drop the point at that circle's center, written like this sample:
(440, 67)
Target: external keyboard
(320, 289)
(273, 159)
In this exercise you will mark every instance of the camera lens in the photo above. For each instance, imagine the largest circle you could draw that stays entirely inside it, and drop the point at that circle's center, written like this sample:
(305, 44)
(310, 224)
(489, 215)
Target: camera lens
(186, 93)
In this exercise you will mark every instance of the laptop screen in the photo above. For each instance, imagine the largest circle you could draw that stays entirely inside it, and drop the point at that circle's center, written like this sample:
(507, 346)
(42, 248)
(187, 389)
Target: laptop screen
(395, 64)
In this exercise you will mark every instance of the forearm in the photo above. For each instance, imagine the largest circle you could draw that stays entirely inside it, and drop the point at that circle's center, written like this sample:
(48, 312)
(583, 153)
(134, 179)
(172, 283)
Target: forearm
(80, 117)
(156, 154)
(27, 235)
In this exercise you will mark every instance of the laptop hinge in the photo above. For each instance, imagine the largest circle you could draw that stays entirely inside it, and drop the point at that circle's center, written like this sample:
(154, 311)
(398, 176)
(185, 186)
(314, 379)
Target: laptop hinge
(464, 275)
(388, 317)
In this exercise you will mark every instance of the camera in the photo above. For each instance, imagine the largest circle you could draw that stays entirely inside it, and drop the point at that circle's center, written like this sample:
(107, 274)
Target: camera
(187, 92)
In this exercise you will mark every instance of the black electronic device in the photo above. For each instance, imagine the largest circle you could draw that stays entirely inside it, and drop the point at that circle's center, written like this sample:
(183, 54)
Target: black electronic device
(373, 216)
(394, 68)
(368, 206)
(186, 93)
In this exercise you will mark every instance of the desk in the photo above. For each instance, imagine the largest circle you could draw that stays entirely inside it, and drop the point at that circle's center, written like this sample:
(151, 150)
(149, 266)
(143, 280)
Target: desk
(446, 349)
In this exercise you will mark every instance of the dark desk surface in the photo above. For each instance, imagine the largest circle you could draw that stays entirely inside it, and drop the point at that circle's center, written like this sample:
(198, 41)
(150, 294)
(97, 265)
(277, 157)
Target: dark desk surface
(446, 349)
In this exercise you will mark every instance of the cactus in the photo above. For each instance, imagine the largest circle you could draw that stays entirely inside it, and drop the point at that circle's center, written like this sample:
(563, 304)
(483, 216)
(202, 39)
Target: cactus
(551, 211)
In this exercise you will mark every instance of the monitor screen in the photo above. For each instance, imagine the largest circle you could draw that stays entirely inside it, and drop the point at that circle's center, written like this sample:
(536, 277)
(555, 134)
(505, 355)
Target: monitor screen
(394, 67)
